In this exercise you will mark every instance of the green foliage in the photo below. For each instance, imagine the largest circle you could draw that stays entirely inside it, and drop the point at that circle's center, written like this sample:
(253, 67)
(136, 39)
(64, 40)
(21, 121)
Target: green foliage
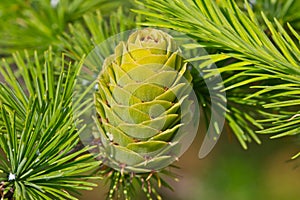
(257, 55)
(125, 185)
(37, 24)
(82, 37)
(283, 10)
(38, 134)
(261, 73)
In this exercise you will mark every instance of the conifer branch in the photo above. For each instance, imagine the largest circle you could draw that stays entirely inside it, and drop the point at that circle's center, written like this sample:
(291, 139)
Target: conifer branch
(260, 67)
(37, 133)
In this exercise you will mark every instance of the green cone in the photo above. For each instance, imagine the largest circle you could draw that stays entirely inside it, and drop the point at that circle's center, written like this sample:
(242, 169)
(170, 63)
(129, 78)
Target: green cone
(141, 103)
